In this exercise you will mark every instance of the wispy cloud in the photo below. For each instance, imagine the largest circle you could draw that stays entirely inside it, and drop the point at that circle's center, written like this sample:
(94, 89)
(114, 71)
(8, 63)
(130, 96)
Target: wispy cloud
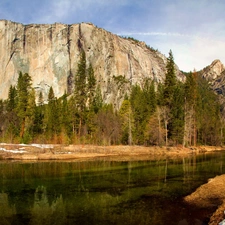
(191, 51)
(154, 34)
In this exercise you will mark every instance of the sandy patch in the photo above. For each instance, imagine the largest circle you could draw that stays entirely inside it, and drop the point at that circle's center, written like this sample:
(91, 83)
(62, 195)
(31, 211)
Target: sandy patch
(211, 194)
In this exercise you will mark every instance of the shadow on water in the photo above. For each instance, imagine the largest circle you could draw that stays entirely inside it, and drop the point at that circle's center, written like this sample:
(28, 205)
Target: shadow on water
(105, 192)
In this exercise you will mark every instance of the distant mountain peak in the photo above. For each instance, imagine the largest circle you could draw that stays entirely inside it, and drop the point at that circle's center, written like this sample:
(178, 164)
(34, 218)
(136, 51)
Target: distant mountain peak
(213, 71)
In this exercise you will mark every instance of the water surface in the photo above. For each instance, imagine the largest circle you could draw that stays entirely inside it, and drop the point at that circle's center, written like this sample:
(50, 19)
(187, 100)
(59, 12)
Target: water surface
(105, 192)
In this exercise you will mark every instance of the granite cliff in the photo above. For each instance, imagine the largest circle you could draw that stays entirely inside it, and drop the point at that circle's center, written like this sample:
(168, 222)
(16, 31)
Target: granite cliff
(213, 71)
(215, 75)
(50, 53)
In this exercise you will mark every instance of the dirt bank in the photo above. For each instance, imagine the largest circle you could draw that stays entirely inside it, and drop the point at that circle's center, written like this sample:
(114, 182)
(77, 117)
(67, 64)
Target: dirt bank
(73, 152)
(210, 195)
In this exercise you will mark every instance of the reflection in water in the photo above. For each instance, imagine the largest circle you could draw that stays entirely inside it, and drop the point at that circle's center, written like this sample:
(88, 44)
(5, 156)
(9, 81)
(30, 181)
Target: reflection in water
(166, 167)
(45, 213)
(103, 192)
(6, 211)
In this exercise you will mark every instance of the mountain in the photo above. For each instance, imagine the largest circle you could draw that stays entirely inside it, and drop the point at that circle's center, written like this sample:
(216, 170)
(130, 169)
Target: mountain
(50, 54)
(215, 75)
(213, 71)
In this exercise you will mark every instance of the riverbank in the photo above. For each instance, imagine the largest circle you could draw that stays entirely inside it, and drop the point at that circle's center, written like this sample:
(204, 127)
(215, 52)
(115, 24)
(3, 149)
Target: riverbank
(210, 195)
(78, 152)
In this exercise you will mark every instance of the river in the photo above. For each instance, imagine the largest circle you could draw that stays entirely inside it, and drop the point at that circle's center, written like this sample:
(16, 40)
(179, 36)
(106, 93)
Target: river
(103, 191)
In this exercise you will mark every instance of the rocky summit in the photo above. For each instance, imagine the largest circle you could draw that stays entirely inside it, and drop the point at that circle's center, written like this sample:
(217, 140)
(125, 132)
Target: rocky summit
(50, 54)
(215, 75)
(213, 71)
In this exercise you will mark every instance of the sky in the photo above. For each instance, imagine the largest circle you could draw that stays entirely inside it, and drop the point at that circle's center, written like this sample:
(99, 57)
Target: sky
(193, 29)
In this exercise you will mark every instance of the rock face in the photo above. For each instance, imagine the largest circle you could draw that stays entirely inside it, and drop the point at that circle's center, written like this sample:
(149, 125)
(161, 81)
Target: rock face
(213, 71)
(215, 75)
(50, 54)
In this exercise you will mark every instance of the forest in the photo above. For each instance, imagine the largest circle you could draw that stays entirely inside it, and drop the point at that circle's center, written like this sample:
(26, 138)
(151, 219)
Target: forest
(168, 114)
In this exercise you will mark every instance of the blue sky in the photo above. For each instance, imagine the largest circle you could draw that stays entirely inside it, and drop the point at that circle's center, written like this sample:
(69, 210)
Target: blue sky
(193, 29)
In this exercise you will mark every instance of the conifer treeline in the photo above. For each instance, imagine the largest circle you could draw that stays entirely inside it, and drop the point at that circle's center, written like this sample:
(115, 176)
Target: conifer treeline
(176, 113)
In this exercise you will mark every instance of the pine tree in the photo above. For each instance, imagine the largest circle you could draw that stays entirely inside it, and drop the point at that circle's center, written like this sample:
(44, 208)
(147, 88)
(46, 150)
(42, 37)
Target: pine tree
(23, 93)
(138, 102)
(98, 101)
(40, 99)
(2, 118)
(150, 97)
(12, 120)
(51, 118)
(38, 128)
(170, 81)
(138, 105)
(66, 119)
(176, 124)
(127, 122)
(80, 95)
(91, 85)
(207, 114)
(169, 98)
(90, 111)
(190, 101)
(11, 104)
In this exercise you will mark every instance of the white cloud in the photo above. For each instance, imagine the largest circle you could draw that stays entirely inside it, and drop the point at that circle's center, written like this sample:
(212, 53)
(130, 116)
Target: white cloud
(190, 51)
(197, 53)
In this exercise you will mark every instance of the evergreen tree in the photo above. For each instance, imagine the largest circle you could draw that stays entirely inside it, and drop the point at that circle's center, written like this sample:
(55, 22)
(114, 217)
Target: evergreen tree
(12, 95)
(91, 85)
(176, 124)
(52, 116)
(31, 109)
(149, 97)
(190, 101)
(90, 125)
(170, 81)
(127, 122)
(66, 119)
(23, 94)
(12, 120)
(2, 118)
(40, 99)
(38, 128)
(98, 101)
(143, 104)
(207, 114)
(80, 95)
(138, 105)
(171, 96)
(51, 95)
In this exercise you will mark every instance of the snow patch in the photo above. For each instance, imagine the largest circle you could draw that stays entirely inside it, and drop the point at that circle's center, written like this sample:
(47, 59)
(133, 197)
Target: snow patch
(42, 145)
(13, 151)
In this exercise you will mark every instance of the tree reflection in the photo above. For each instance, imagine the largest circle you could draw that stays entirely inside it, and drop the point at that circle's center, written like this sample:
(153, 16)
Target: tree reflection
(6, 211)
(45, 213)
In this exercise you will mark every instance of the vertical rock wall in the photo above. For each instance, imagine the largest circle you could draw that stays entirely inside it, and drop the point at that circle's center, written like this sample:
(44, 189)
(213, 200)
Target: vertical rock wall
(50, 53)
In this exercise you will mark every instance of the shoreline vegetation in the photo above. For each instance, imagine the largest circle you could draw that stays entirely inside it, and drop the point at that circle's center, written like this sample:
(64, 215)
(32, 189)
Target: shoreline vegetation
(206, 195)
